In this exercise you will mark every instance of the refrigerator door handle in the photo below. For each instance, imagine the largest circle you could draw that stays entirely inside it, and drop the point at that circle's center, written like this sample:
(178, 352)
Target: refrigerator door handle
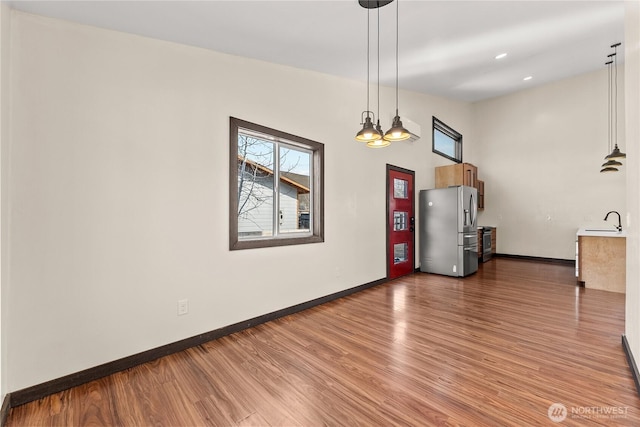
(473, 207)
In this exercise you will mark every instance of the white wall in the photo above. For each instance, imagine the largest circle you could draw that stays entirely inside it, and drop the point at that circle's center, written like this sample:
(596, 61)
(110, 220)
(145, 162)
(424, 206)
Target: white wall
(5, 36)
(116, 181)
(119, 192)
(632, 67)
(540, 152)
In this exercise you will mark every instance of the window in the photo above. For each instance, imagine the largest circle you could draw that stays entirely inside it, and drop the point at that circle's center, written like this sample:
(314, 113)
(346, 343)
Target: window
(446, 141)
(275, 188)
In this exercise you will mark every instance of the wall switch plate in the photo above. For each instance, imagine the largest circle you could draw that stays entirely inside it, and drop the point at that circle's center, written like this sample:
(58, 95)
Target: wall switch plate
(183, 307)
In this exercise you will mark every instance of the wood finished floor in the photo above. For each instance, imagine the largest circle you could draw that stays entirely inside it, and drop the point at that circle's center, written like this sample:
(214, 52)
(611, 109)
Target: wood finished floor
(494, 349)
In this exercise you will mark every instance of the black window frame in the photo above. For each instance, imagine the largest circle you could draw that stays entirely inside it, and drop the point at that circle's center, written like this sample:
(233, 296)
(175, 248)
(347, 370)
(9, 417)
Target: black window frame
(439, 125)
(316, 234)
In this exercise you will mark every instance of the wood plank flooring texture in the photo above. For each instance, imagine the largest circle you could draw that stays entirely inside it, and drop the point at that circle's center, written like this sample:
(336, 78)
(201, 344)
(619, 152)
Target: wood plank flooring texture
(494, 349)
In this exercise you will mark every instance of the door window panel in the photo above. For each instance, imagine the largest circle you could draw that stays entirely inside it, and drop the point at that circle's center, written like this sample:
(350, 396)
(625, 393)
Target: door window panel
(400, 189)
(400, 221)
(400, 252)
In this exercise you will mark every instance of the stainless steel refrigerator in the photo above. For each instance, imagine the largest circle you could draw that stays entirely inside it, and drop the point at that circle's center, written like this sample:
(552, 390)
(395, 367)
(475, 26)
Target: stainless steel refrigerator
(448, 230)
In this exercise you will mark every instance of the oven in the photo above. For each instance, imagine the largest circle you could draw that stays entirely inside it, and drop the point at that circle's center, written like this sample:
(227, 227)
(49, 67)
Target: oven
(486, 244)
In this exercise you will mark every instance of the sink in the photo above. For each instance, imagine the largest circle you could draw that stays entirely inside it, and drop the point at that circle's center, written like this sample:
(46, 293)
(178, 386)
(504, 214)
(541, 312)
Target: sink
(608, 230)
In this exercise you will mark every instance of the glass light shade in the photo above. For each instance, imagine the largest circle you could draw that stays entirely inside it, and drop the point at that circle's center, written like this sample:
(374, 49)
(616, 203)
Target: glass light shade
(373, 4)
(608, 169)
(368, 132)
(616, 154)
(611, 163)
(378, 143)
(397, 131)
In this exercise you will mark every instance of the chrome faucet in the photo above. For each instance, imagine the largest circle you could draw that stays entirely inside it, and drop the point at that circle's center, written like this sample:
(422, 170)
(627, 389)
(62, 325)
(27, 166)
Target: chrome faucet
(619, 226)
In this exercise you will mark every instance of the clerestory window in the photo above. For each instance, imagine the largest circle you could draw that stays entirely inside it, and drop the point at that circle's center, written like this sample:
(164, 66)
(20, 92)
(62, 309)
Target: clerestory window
(446, 141)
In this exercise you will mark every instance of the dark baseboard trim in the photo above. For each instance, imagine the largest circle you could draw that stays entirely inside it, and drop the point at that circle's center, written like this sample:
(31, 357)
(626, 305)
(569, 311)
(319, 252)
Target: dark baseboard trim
(39, 391)
(632, 363)
(538, 259)
(4, 410)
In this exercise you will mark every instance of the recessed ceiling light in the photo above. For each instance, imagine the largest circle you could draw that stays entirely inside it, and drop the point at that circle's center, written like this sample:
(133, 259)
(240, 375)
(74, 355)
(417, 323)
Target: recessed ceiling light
(527, 78)
(500, 56)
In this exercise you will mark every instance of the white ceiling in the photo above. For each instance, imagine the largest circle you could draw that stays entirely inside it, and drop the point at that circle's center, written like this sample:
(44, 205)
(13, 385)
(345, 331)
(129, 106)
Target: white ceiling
(447, 48)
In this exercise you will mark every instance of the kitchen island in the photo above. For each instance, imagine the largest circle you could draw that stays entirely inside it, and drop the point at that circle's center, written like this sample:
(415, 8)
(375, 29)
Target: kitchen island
(601, 259)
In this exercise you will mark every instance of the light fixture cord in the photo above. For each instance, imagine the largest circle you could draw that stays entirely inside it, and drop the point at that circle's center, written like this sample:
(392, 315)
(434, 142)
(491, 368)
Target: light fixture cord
(615, 105)
(368, 49)
(397, 32)
(609, 107)
(378, 64)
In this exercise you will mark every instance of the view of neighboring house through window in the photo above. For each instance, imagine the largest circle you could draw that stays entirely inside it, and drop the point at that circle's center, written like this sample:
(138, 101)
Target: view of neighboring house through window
(446, 141)
(267, 205)
(277, 188)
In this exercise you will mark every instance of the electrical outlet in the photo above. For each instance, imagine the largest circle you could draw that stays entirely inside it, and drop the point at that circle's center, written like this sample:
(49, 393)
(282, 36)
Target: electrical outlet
(183, 307)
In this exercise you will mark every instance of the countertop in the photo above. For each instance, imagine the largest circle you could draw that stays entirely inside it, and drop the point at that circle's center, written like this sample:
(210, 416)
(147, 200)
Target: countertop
(601, 232)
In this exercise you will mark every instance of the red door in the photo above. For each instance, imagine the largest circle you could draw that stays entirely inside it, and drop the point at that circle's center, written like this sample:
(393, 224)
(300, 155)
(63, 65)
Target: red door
(400, 222)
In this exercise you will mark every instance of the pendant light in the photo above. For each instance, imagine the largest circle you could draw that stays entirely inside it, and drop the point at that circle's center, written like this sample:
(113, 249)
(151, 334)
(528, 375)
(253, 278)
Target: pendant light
(368, 133)
(616, 154)
(397, 131)
(378, 143)
(612, 163)
(609, 166)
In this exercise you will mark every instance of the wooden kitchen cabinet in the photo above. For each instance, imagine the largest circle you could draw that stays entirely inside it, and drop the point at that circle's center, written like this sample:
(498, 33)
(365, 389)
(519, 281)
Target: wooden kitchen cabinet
(601, 260)
(458, 174)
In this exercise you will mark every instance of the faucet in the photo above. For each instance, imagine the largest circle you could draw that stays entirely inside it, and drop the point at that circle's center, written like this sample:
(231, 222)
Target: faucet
(619, 226)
